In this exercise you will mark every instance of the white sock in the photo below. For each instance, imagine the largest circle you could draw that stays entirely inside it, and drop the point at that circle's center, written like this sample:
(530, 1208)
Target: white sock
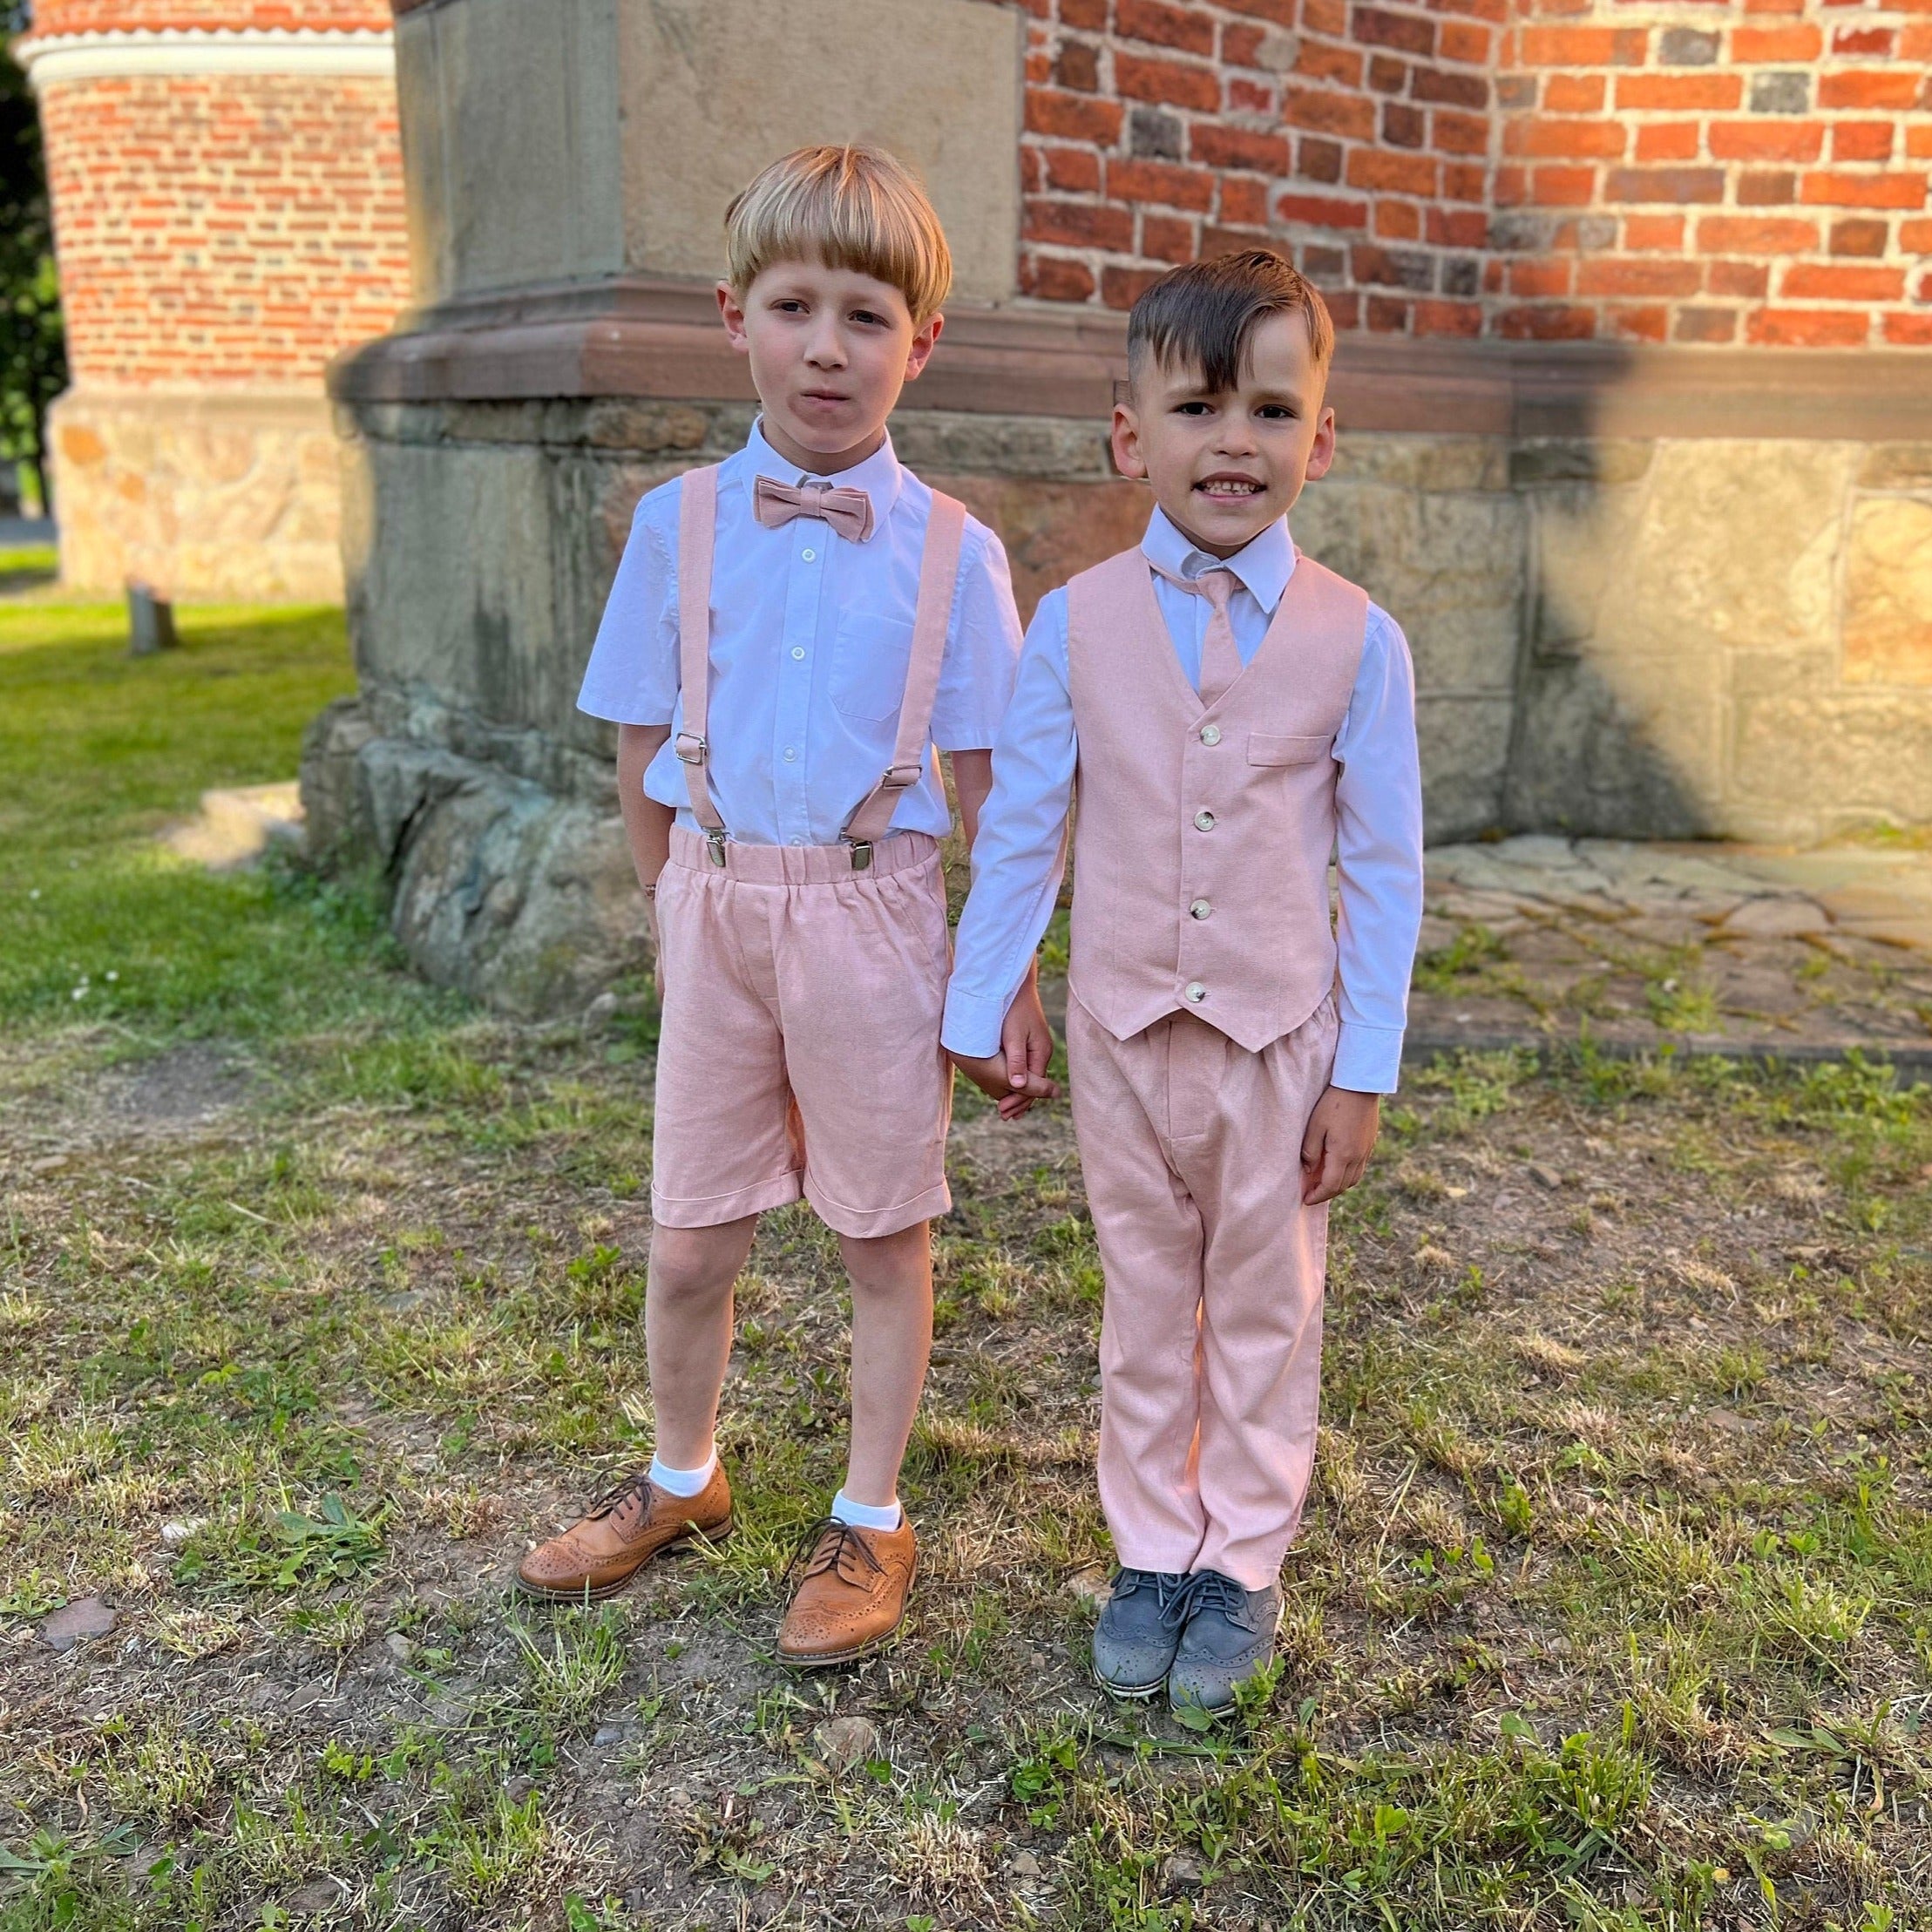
(866, 1516)
(682, 1482)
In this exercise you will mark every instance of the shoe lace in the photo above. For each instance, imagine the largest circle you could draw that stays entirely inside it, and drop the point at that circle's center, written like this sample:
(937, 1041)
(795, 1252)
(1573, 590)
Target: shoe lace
(614, 1499)
(1169, 1595)
(1208, 1590)
(828, 1542)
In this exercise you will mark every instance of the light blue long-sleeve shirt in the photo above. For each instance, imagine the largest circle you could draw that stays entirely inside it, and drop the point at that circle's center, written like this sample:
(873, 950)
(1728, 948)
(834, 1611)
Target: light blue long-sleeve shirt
(1018, 859)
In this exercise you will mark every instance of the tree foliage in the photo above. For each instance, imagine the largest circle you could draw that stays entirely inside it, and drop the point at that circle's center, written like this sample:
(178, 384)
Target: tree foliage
(33, 356)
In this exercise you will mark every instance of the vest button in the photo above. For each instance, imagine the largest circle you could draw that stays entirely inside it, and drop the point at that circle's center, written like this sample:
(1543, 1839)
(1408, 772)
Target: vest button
(1211, 734)
(1195, 992)
(1200, 909)
(1204, 820)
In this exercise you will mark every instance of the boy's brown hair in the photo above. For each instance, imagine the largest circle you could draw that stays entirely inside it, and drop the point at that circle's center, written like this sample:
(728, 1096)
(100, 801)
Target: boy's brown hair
(1204, 315)
(851, 207)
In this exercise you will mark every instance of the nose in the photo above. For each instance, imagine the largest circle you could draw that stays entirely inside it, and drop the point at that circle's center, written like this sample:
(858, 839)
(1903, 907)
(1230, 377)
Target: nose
(825, 348)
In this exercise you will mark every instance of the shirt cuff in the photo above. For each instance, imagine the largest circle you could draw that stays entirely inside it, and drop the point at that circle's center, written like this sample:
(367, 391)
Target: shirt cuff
(972, 1024)
(1368, 1059)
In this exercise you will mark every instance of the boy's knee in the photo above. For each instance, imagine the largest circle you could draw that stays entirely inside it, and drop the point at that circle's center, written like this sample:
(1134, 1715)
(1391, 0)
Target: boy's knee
(696, 1263)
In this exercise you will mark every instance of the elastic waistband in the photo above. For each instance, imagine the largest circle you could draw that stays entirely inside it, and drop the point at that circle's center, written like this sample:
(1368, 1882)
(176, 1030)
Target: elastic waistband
(799, 865)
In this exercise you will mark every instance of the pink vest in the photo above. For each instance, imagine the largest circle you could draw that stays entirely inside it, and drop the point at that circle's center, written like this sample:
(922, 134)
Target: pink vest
(1201, 843)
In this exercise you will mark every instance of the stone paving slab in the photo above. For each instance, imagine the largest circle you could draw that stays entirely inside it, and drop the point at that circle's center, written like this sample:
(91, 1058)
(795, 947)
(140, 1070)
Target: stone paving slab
(1726, 948)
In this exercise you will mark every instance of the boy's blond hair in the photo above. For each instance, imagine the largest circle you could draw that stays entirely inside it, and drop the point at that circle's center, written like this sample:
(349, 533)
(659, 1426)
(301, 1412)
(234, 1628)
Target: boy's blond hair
(855, 207)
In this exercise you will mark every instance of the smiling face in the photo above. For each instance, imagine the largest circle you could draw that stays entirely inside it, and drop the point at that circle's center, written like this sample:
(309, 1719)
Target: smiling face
(1225, 464)
(830, 348)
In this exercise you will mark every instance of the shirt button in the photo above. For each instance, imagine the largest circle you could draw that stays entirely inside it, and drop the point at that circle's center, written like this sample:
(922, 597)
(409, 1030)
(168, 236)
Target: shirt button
(807, 555)
(798, 650)
(1195, 991)
(798, 842)
(1211, 734)
(791, 752)
(1200, 909)
(1204, 820)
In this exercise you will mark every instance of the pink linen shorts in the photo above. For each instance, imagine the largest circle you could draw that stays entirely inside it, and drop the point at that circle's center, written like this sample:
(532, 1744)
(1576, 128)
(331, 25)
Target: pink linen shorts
(800, 1050)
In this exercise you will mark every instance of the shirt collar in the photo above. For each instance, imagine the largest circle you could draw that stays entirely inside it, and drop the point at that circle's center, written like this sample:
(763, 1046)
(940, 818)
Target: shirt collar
(1263, 567)
(879, 475)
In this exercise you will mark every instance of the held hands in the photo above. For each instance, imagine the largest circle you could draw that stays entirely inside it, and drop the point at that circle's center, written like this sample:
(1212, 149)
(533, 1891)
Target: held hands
(1340, 1137)
(1016, 1076)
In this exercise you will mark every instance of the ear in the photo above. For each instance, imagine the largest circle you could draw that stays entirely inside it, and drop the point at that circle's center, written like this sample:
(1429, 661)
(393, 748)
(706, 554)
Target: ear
(1126, 438)
(1323, 452)
(925, 338)
(731, 313)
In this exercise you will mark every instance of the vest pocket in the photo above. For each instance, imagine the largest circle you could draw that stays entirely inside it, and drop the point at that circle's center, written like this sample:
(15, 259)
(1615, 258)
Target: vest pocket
(1265, 749)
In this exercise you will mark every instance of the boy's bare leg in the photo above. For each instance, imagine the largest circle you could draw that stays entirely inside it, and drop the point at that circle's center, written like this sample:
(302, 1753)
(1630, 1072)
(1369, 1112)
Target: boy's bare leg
(891, 1337)
(688, 1310)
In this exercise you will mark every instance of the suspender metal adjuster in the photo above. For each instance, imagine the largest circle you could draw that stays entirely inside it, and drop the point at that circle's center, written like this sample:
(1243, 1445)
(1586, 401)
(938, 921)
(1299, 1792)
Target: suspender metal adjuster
(899, 776)
(862, 855)
(700, 749)
(714, 841)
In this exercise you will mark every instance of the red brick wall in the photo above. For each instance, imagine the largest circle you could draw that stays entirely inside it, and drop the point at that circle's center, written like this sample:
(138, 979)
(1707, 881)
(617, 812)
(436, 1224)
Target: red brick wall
(1713, 171)
(224, 228)
(65, 17)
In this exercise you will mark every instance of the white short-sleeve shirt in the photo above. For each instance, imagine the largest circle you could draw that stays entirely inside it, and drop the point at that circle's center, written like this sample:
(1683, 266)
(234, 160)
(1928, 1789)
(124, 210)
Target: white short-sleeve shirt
(810, 638)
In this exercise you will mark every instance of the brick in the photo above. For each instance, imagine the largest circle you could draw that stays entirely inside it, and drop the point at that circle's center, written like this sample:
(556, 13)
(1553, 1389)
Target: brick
(1163, 26)
(1403, 125)
(1864, 191)
(1551, 323)
(1459, 133)
(1077, 66)
(1090, 14)
(1053, 278)
(1687, 47)
(1465, 181)
(1668, 141)
(1880, 41)
(1778, 140)
(1345, 308)
(1447, 318)
(1327, 112)
(1647, 323)
(1319, 61)
(1563, 187)
(1871, 87)
(1612, 277)
(1153, 134)
(1838, 281)
(1705, 325)
(1569, 139)
(1462, 275)
(1317, 160)
(1539, 278)
(1798, 42)
(1079, 225)
(1376, 27)
(1781, 93)
(1121, 287)
(1860, 235)
(1910, 330)
(1457, 227)
(1516, 90)
(1321, 211)
(1755, 235)
(1582, 46)
(1916, 238)
(1813, 327)
(1396, 173)
(1918, 142)
(1370, 262)
(1387, 75)
(1749, 279)
(1386, 315)
(1244, 201)
(1072, 117)
(1766, 190)
(1141, 76)
(1216, 240)
(1664, 184)
(1161, 182)
(1071, 170)
(1397, 222)
(1280, 13)
(1249, 97)
(1220, 146)
(1862, 141)
(1683, 93)
(1326, 17)
(1464, 42)
(1573, 94)
(1653, 230)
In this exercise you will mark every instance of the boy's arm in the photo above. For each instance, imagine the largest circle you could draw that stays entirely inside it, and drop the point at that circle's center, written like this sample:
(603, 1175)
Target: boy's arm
(1379, 860)
(972, 780)
(647, 823)
(994, 1027)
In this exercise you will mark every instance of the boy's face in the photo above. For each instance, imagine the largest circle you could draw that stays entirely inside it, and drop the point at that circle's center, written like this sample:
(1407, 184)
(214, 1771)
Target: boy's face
(830, 348)
(1223, 465)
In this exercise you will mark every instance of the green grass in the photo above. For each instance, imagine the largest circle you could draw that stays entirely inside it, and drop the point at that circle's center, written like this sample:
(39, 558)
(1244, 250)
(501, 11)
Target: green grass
(1612, 1609)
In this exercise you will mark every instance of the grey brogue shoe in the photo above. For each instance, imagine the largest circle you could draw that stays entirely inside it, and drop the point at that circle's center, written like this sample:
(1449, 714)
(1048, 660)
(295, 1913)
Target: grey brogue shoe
(1135, 1640)
(1227, 1636)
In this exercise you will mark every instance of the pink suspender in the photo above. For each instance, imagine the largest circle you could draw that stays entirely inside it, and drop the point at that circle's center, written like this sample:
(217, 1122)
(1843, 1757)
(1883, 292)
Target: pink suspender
(939, 572)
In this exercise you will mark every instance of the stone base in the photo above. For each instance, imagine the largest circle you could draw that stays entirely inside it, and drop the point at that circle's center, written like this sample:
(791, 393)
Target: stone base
(229, 494)
(524, 900)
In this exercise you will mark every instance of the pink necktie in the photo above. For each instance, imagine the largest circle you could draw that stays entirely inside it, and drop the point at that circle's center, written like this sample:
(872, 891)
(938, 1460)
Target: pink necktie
(847, 510)
(1220, 655)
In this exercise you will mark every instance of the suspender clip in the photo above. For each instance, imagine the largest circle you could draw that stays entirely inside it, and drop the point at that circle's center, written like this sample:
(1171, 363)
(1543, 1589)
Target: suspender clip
(715, 844)
(862, 855)
(700, 749)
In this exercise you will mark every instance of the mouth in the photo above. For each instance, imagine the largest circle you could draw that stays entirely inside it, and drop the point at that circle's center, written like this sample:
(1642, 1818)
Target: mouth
(1230, 487)
(824, 395)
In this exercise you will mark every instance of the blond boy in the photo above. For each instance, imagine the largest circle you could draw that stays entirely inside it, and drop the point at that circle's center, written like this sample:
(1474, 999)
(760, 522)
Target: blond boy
(792, 635)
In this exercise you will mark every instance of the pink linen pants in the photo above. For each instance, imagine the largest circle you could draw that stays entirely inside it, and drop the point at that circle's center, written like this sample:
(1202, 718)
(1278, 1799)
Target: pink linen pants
(1210, 1340)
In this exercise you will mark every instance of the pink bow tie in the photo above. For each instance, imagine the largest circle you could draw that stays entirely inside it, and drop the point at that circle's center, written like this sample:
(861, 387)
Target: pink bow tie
(847, 510)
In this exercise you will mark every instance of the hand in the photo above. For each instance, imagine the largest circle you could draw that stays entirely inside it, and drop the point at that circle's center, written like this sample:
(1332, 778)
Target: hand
(1016, 1076)
(1340, 1137)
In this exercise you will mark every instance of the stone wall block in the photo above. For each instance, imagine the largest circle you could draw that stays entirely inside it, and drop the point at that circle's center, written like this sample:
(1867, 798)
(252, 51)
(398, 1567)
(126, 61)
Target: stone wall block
(1896, 466)
(1416, 462)
(1888, 618)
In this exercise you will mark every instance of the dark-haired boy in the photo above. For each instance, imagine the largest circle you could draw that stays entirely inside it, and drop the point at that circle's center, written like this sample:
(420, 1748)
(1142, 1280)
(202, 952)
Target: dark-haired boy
(1231, 713)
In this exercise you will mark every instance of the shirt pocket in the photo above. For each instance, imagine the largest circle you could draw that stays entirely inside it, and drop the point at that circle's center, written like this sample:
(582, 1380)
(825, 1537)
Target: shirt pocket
(1265, 749)
(872, 651)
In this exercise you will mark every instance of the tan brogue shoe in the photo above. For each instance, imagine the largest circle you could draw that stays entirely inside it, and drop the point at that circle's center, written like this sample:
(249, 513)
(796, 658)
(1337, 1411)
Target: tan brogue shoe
(597, 1555)
(853, 1595)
